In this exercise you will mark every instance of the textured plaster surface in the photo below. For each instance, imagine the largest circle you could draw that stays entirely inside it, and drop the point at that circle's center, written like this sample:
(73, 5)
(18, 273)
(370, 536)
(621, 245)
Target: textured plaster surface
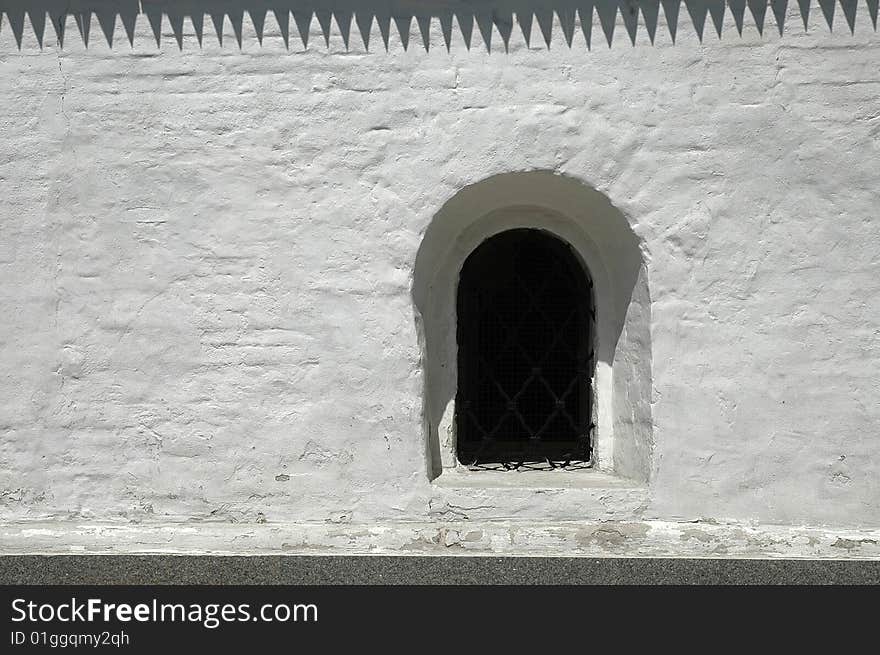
(208, 339)
(699, 539)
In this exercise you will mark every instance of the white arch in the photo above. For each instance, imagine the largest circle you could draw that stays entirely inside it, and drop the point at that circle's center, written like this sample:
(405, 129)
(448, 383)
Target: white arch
(609, 250)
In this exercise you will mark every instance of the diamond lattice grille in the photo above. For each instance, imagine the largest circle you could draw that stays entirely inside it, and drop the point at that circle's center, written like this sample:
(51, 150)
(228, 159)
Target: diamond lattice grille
(524, 355)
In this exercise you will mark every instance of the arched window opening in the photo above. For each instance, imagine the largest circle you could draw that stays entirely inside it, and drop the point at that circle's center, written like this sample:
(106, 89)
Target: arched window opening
(525, 355)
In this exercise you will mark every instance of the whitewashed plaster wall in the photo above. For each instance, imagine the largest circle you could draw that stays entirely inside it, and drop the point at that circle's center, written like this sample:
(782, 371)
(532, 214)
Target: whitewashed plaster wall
(207, 254)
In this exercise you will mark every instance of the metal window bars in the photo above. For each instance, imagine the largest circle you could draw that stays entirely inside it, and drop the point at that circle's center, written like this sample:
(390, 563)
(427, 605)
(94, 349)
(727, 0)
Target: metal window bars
(525, 355)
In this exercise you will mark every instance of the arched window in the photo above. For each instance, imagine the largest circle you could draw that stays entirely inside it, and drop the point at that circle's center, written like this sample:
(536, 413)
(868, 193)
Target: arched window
(525, 354)
(573, 238)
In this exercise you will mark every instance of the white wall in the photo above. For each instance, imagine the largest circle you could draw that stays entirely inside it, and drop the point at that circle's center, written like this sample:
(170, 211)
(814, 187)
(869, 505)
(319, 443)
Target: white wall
(206, 268)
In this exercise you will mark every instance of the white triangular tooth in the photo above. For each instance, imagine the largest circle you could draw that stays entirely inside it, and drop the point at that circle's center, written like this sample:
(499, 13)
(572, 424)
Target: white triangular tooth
(337, 43)
(249, 38)
(273, 38)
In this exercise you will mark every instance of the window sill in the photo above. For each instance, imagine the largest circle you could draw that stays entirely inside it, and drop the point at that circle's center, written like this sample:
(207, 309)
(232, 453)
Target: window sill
(463, 478)
(458, 494)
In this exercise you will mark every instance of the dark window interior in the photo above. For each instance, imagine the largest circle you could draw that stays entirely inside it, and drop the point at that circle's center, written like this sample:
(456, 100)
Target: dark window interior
(525, 355)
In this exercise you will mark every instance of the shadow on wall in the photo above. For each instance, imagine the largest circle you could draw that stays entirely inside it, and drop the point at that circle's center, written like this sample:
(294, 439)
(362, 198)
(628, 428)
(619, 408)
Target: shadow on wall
(602, 237)
(491, 17)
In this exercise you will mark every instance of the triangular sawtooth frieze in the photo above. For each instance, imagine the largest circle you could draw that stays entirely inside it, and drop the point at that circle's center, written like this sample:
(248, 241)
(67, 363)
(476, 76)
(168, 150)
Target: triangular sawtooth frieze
(414, 21)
